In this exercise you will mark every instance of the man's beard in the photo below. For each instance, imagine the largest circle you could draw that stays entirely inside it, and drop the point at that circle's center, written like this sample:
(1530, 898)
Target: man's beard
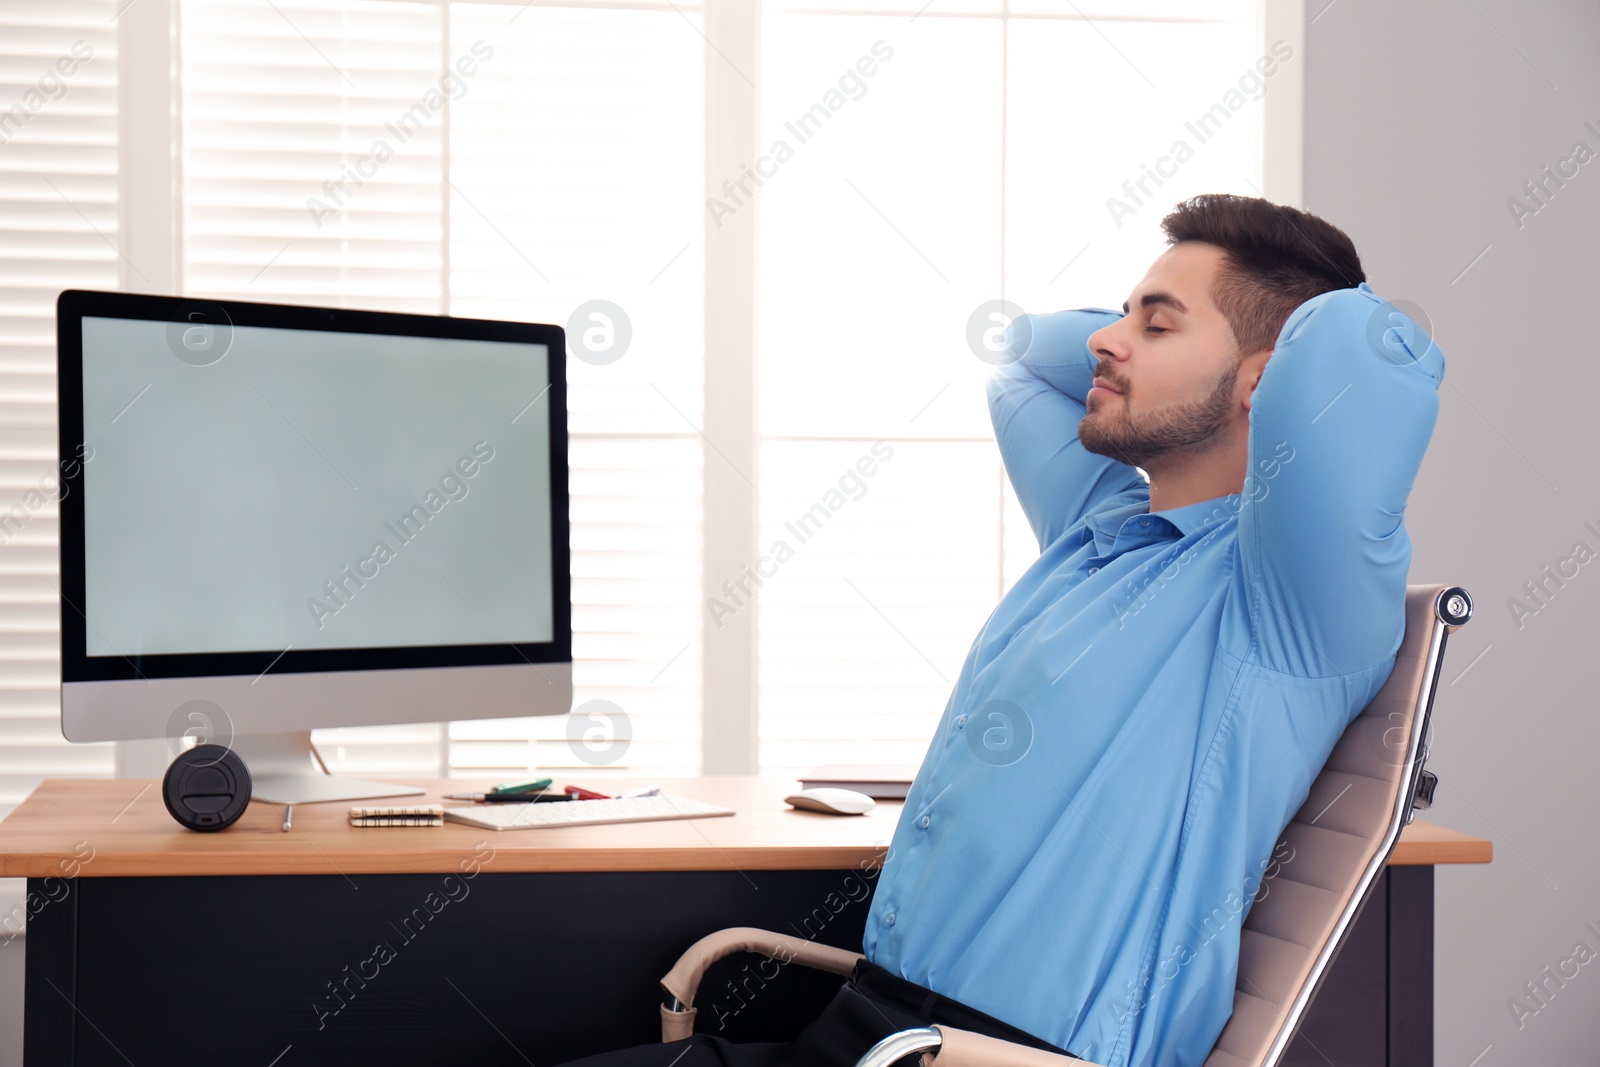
(1196, 426)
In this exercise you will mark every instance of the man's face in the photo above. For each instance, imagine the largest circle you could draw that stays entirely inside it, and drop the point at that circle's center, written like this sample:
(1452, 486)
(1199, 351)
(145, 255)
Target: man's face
(1174, 361)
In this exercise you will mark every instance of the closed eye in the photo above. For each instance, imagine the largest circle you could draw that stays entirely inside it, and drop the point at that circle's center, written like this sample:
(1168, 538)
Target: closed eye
(1156, 329)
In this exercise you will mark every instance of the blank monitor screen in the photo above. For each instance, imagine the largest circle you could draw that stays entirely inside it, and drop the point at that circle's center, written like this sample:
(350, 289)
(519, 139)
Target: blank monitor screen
(231, 507)
(314, 490)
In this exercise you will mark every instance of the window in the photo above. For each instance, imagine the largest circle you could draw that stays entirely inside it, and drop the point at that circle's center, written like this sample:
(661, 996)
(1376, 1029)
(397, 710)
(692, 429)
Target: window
(60, 208)
(322, 163)
(526, 161)
(967, 155)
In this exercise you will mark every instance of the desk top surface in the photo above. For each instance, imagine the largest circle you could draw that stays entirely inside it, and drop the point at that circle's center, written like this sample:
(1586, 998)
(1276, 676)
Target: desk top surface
(120, 827)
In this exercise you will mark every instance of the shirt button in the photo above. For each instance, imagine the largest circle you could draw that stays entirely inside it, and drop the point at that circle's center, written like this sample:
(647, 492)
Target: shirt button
(888, 920)
(961, 720)
(1092, 570)
(926, 822)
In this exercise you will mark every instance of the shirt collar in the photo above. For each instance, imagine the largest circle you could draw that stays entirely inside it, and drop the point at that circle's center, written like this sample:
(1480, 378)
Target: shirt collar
(1134, 521)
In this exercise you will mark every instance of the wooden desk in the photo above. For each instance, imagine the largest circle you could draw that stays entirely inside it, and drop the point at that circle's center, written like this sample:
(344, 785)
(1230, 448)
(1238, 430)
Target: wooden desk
(153, 944)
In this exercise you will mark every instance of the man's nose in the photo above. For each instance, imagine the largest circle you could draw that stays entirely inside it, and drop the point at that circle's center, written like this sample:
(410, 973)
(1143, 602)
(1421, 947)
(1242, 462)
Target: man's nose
(1104, 343)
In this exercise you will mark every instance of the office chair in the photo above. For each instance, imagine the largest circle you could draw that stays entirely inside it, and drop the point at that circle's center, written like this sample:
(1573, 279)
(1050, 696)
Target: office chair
(1290, 937)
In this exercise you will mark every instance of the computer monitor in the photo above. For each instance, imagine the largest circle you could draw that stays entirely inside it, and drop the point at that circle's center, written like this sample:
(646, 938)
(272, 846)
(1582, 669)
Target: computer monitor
(277, 518)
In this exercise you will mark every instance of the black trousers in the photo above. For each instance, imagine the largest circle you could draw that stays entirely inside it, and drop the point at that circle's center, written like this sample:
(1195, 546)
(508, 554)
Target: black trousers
(873, 1004)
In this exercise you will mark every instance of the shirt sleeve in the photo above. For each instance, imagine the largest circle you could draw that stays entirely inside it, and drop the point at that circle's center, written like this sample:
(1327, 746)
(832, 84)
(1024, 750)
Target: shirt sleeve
(1036, 401)
(1339, 423)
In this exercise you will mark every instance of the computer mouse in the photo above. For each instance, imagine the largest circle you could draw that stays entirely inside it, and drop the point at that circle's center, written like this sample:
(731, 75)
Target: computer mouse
(832, 801)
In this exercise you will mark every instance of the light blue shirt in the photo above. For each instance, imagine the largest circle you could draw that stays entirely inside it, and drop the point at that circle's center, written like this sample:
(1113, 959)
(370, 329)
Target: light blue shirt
(1147, 707)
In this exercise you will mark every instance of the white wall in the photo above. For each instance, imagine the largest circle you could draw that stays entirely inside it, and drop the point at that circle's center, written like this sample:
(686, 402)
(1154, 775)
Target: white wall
(1422, 120)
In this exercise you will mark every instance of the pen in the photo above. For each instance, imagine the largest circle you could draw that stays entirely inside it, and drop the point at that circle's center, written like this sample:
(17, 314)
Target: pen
(288, 816)
(577, 792)
(650, 790)
(506, 798)
(532, 785)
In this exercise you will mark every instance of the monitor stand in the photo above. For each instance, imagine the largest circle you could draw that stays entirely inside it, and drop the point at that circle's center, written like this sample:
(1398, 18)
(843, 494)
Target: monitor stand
(282, 771)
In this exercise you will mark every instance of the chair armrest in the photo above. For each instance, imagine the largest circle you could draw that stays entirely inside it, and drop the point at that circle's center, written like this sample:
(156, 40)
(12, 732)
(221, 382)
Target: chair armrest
(945, 1046)
(683, 981)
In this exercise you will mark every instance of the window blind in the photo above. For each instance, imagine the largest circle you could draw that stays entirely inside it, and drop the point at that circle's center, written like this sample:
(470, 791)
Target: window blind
(575, 175)
(288, 196)
(58, 207)
(58, 210)
(483, 161)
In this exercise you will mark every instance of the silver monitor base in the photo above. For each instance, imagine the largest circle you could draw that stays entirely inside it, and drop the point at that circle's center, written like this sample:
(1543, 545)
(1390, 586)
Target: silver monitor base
(282, 772)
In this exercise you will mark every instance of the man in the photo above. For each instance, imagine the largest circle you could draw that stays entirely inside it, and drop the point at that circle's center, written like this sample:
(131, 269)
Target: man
(1145, 710)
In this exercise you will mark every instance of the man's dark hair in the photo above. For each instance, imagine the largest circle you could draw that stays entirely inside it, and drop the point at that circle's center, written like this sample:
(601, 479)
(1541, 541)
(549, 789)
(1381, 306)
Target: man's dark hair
(1277, 258)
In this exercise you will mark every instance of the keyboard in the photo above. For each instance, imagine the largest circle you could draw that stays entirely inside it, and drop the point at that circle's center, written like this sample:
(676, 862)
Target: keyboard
(582, 812)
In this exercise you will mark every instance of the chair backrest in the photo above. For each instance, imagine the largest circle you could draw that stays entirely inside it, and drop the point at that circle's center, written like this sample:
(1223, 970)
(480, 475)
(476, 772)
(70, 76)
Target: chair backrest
(1341, 838)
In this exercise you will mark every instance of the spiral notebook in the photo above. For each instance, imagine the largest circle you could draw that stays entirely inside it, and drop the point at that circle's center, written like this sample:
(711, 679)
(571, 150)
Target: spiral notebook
(414, 815)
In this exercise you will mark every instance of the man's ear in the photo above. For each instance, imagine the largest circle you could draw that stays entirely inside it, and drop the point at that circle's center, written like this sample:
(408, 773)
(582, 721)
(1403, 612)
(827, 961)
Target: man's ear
(1250, 370)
